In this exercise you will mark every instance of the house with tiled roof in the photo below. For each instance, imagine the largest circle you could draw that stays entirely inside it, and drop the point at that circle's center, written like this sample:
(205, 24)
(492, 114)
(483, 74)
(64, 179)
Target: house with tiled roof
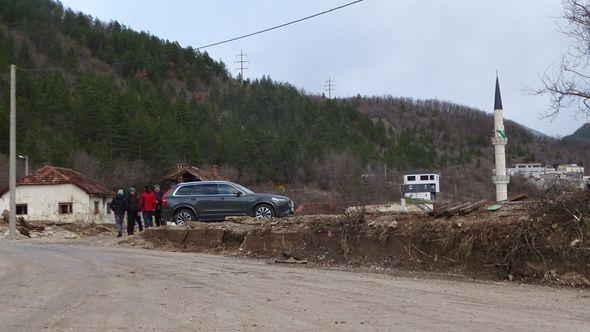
(60, 195)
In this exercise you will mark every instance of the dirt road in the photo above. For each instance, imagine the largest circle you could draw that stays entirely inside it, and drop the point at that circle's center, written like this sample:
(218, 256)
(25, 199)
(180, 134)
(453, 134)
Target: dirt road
(86, 288)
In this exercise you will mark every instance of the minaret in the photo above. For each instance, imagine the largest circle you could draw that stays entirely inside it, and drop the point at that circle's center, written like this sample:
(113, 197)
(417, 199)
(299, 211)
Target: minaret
(499, 141)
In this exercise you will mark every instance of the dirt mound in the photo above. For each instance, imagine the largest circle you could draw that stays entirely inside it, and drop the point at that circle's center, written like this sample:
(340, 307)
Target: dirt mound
(543, 241)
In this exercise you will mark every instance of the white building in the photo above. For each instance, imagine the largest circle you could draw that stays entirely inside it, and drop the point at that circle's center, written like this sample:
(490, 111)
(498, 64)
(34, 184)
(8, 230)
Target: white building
(60, 195)
(535, 170)
(421, 185)
(572, 171)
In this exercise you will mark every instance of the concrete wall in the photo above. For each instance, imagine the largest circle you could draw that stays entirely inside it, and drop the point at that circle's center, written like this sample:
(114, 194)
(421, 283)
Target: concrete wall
(43, 204)
(422, 195)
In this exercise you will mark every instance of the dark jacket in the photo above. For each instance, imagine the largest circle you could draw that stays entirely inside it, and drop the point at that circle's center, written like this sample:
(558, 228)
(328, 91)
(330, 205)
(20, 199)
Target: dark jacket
(132, 204)
(159, 196)
(118, 204)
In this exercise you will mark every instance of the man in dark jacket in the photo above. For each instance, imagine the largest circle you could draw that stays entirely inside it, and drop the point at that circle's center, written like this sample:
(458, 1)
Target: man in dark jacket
(133, 212)
(119, 206)
(158, 211)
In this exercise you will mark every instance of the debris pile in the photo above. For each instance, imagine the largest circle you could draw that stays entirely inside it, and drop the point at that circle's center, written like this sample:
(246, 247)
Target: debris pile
(529, 241)
(52, 231)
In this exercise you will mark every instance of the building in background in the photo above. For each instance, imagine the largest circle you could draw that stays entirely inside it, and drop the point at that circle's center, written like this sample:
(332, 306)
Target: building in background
(188, 173)
(534, 170)
(60, 194)
(421, 185)
(570, 171)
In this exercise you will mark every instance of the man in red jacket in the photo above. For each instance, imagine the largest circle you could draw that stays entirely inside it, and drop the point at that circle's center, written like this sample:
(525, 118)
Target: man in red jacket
(147, 204)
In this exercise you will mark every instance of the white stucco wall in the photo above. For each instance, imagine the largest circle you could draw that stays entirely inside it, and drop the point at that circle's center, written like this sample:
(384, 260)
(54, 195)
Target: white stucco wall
(43, 203)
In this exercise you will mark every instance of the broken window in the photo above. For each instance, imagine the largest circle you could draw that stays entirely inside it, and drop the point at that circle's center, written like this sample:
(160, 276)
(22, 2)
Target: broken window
(65, 208)
(21, 209)
(96, 207)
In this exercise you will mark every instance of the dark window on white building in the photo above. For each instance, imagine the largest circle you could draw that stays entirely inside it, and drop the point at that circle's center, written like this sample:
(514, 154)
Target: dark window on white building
(96, 207)
(423, 177)
(432, 177)
(22, 209)
(65, 208)
(411, 178)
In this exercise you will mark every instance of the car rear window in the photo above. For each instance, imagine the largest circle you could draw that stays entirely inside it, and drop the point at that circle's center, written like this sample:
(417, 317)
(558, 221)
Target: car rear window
(185, 190)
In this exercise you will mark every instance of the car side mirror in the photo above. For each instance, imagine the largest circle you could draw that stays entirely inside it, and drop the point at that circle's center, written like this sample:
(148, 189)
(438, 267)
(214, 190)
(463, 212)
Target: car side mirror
(238, 194)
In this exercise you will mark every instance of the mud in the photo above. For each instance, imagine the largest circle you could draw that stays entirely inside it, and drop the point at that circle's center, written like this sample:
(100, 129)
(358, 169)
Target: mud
(510, 244)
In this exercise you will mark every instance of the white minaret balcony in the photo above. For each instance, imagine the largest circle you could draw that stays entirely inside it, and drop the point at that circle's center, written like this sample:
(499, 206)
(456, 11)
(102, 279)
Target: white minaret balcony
(501, 179)
(499, 140)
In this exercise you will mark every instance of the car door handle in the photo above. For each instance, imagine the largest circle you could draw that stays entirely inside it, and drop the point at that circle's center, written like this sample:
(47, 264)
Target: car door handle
(220, 199)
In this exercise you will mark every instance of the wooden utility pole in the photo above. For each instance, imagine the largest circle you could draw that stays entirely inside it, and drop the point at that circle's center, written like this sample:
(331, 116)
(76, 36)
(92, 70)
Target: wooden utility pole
(329, 87)
(12, 181)
(242, 55)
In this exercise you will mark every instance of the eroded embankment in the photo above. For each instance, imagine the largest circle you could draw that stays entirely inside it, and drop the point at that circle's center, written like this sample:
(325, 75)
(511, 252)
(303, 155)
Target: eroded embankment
(511, 243)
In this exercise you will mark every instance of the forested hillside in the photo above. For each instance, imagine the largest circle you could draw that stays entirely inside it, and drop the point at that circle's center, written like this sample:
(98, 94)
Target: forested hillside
(124, 106)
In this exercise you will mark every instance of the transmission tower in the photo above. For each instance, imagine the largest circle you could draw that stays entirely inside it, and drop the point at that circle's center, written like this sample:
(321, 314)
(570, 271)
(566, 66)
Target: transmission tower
(329, 87)
(241, 62)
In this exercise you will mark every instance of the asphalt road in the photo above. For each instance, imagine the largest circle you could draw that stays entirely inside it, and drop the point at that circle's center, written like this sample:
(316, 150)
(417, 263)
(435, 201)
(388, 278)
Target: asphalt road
(86, 288)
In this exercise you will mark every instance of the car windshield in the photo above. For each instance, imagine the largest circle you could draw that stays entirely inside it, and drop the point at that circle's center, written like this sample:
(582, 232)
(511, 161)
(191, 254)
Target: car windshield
(244, 189)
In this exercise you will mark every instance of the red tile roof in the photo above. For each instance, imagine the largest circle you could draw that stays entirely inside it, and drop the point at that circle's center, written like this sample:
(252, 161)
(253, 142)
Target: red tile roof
(48, 175)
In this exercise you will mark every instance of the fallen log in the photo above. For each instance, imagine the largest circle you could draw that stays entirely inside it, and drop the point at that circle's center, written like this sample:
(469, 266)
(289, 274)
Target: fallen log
(454, 210)
(518, 197)
(441, 211)
(472, 207)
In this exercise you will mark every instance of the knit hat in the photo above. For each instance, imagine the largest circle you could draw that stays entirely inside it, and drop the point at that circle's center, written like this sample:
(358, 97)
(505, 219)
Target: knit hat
(120, 192)
(132, 190)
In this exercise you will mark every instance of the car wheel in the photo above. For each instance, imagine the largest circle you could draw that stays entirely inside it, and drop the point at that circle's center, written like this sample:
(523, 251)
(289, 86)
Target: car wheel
(263, 211)
(183, 216)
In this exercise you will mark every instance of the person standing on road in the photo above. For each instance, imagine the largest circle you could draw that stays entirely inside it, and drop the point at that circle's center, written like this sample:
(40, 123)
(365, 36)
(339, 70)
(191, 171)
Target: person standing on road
(147, 204)
(119, 206)
(133, 212)
(158, 211)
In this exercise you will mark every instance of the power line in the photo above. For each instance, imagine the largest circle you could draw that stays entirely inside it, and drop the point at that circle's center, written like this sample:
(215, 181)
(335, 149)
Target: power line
(279, 26)
(223, 41)
(329, 87)
(242, 62)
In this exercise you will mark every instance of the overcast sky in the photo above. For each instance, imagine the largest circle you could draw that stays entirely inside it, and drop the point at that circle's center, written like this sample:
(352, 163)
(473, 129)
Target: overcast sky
(448, 50)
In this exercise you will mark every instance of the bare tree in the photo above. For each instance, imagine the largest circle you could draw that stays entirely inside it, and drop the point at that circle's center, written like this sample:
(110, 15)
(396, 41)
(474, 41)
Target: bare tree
(569, 85)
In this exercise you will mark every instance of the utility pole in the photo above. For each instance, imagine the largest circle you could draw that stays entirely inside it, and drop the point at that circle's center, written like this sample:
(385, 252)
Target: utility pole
(242, 62)
(12, 182)
(329, 87)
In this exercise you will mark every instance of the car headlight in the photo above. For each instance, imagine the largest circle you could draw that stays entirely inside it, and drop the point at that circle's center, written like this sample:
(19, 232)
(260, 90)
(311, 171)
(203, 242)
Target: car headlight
(277, 199)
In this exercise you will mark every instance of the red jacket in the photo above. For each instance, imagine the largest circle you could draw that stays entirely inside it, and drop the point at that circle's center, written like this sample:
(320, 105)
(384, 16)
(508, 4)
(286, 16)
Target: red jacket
(147, 201)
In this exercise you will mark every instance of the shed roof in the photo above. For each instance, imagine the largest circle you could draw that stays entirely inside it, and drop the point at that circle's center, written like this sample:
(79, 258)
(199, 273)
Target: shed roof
(177, 173)
(51, 175)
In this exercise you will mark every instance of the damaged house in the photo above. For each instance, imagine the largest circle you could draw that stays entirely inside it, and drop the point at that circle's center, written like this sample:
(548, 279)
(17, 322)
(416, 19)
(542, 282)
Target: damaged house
(188, 173)
(60, 194)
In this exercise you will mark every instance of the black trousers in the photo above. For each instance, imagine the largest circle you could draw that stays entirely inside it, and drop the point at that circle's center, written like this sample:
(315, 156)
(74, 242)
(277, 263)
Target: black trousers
(158, 217)
(132, 219)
